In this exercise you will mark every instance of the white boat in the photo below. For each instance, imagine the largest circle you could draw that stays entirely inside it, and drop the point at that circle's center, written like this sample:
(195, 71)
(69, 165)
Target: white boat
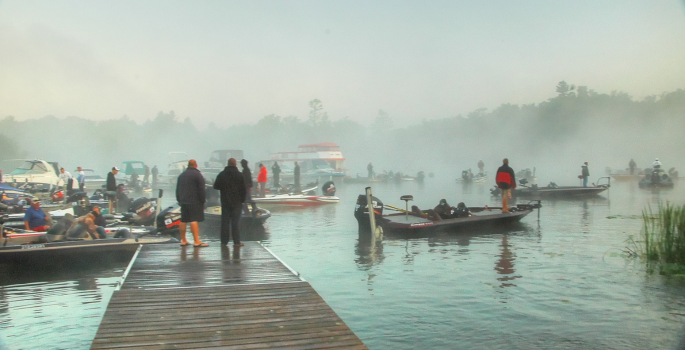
(36, 172)
(295, 200)
(315, 160)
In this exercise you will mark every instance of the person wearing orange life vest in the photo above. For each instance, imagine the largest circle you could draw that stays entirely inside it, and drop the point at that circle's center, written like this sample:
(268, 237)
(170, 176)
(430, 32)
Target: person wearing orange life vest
(506, 181)
(261, 179)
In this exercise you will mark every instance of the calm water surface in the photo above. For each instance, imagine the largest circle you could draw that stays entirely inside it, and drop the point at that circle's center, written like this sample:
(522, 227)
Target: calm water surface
(558, 282)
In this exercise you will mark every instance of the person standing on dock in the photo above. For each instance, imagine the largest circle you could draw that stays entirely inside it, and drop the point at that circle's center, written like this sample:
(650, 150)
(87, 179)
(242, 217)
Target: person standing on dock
(261, 180)
(231, 183)
(296, 179)
(506, 181)
(190, 194)
(632, 166)
(585, 173)
(276, 170)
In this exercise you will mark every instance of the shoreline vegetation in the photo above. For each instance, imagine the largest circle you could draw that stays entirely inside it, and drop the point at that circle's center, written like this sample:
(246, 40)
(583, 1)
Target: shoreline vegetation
(662, 240)
(575, 122)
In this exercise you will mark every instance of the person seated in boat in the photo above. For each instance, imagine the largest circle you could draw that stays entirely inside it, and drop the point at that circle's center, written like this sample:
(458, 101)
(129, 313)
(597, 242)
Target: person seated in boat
(430, 214)
(461, 211)
(656, 164)
(98, 219)
(443, 209)
(35, 218)
(122, 199)
(61, 226)
(85, 228)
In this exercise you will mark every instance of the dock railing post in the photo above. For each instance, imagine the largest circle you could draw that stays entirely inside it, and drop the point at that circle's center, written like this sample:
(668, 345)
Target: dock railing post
(376, 231)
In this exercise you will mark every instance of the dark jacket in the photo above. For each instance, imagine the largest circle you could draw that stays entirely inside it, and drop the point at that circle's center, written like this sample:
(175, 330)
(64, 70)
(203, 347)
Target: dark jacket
(505, 177)
(247, 174)
(231, 183)
(585, 171)
(190, 187)
(111, 182)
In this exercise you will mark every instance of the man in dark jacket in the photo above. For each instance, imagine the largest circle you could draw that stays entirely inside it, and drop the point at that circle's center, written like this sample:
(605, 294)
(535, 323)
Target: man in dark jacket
(296, 178)
(190, 194)
(247, 175)
(506, 181)
(112, 188)
(276, 170)
(231, 183)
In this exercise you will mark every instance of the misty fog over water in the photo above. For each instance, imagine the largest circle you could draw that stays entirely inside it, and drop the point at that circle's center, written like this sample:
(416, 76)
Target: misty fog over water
(555, 137)
(407, 86)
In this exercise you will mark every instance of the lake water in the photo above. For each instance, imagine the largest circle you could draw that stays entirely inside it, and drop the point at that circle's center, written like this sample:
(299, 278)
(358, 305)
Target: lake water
(562, 281)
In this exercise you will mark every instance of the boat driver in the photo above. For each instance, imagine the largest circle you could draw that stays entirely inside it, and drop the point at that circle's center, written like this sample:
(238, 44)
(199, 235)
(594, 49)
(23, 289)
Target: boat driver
(35, 219)
(656, 164)
(443, 209)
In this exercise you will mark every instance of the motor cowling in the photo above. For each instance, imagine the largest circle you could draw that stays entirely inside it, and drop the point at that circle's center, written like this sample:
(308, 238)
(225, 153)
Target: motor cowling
(328, 188)
(168, 219)
(361, 211)
(144, 210)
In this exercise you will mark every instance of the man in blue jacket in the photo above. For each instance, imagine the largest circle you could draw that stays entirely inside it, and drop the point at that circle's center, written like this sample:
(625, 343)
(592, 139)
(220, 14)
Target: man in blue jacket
(190, 194)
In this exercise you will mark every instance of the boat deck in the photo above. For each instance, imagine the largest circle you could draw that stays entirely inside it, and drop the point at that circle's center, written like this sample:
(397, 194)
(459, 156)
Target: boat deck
(198, 298)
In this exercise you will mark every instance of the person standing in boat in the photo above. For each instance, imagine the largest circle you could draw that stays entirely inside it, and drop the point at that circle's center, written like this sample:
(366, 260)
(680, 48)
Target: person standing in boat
(154, 172)
(111, 188)
(296, 179)
(481, 167)
(656, 164)
(261, 180)
(276, 170)
(190, 195)
(146, 176)
(369, 169)
(81, 179)
(632, 166)
(506, 181)
(231, 183)
(247, 175)
(67, 180)
(585, 173)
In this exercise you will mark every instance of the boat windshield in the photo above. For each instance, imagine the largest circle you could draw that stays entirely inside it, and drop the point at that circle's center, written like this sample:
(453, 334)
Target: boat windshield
(30, 168)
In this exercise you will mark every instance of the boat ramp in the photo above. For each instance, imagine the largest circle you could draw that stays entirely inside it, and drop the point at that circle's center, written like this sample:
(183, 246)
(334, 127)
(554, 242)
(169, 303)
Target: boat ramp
(175, 297)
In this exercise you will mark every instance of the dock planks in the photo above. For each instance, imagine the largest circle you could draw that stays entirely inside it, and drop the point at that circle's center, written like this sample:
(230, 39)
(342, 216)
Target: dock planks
(212, 298)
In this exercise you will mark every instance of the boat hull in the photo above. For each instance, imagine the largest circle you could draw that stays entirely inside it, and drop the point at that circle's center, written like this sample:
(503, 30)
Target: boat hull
(295, 201)
(81, 250)
(558, 192)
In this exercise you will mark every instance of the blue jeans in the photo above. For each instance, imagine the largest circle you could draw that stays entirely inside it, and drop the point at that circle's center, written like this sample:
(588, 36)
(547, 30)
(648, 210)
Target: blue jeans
(585, 181)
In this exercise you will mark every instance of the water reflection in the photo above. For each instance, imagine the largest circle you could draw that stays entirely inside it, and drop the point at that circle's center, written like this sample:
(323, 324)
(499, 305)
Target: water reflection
(505, 264)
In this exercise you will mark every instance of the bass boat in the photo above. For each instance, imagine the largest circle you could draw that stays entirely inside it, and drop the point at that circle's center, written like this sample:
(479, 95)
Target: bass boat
(459, 218)
(555, 191)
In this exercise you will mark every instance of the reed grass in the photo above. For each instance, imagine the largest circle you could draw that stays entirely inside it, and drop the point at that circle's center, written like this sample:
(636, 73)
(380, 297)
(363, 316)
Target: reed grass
(663, 239)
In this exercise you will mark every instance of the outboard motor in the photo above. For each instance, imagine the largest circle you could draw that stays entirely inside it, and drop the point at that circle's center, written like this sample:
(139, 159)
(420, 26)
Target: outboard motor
(169, 219)
(144, 210)
(361, 211)
(328, 189)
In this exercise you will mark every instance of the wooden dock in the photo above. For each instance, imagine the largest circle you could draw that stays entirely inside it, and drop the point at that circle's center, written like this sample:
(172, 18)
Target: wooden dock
(211, 298)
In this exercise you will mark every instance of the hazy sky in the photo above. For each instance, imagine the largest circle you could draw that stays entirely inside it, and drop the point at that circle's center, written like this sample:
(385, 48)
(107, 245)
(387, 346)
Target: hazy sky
(237, 61)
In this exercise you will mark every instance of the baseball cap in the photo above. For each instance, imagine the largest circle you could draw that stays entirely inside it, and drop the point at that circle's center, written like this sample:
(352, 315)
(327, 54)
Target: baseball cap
(115, 168)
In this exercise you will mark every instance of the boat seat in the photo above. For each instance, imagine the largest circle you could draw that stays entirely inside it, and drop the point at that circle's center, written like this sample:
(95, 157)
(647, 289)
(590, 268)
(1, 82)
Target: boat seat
(407, 198)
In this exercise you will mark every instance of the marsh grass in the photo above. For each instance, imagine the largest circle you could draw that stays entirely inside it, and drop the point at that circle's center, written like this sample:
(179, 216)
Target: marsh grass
(662, 241)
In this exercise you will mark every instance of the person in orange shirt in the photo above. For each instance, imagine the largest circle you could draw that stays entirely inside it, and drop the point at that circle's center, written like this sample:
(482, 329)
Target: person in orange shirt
(261, 179)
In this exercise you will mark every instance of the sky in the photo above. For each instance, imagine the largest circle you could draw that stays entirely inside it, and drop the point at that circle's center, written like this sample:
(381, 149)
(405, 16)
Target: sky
(233, 62)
